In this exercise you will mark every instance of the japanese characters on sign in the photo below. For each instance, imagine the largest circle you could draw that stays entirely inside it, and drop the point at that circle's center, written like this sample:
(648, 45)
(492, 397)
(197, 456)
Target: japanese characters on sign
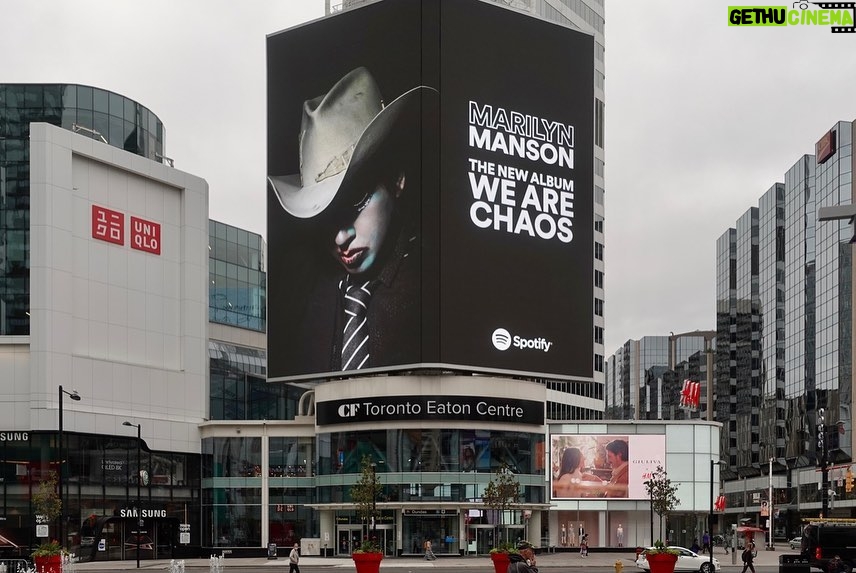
(109, 225)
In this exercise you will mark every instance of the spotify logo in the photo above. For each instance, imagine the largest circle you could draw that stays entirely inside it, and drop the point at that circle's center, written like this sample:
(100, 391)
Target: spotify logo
(501, 339)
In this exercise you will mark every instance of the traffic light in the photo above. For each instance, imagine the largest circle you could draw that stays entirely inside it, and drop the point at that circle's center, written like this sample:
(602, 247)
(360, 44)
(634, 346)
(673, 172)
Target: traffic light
(821, 437)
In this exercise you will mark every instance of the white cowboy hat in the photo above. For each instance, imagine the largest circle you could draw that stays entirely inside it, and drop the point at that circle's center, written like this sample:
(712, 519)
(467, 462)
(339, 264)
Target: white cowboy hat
(340, 131)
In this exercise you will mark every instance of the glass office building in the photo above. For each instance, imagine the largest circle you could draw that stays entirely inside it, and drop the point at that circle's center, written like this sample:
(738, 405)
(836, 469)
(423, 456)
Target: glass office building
(86, 307)
(785, 322)
(101, 114)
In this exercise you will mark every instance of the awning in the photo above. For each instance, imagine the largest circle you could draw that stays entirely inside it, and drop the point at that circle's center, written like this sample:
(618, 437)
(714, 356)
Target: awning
(749, 529)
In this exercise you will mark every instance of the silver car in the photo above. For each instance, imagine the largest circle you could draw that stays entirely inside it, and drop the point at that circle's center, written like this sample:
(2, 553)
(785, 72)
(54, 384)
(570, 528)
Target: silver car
(795, 543)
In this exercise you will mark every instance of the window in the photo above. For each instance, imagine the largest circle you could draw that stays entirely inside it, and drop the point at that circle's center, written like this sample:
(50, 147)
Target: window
(598, 251)
(598, 363)
(598, 279)
(598, 123)
(598, 335)
(598, 307)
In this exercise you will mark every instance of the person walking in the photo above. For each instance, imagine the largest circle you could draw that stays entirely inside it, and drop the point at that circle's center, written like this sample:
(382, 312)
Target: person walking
(429, 552)
(294, 559)
(705, 543)
(749, 558)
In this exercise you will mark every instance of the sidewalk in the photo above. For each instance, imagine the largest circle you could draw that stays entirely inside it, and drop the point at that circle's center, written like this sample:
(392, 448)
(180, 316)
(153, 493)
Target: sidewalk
(483, 562)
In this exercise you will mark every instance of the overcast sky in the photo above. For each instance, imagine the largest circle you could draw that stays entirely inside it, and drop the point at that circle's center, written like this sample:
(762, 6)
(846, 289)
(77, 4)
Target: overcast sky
(702, 118)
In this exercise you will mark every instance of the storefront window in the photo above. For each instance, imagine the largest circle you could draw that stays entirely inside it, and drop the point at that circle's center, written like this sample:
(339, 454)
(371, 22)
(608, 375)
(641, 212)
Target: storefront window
(232, 457)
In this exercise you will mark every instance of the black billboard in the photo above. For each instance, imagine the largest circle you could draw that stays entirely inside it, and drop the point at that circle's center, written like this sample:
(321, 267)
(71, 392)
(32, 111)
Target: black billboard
(430, 192)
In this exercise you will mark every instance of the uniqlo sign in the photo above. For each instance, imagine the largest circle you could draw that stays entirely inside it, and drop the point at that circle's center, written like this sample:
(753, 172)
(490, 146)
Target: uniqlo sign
(108, 225)
(145, 235)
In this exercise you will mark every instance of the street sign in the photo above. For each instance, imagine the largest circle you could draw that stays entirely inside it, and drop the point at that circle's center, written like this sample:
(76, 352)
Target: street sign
(184, 538)
(184, 527)
(41, 531)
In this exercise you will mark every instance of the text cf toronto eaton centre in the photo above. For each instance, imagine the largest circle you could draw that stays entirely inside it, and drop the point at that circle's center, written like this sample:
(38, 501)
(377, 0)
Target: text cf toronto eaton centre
(432, 408)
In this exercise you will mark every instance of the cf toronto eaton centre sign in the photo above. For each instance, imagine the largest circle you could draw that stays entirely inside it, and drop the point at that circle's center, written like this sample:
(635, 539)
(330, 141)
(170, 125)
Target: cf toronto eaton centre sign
(392, 408)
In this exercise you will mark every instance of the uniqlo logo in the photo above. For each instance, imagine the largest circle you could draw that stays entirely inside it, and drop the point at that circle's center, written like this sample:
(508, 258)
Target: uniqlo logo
(108, 225)
(145, 236)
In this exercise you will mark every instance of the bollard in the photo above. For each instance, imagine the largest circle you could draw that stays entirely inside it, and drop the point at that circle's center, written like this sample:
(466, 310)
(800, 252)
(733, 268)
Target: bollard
(619, 566)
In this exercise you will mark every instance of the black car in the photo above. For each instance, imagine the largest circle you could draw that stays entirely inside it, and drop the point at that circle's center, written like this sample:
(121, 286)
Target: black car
(823, 540)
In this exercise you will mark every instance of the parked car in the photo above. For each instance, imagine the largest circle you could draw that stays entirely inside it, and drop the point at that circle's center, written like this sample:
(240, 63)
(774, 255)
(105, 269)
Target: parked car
(795, 543)
(687, 561)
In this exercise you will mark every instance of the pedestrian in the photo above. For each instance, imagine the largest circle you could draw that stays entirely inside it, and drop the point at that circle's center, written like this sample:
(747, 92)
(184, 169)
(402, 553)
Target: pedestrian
(836, 565)
(749, 558)
(294, 559)
(694, 547)
(429, 553)
(584, 545)
(726, 541)
(705, 543)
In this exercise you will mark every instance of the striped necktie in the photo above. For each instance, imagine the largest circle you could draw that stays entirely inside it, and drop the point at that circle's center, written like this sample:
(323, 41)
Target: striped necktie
(355, 341)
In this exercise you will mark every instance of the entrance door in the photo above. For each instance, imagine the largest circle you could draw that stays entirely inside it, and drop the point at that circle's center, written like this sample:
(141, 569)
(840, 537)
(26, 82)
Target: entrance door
(386, 538)
(480, 539)
(348, 538)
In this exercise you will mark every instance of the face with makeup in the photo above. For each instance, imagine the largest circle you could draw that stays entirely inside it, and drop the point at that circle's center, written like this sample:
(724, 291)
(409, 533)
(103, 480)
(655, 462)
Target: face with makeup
(363, 228)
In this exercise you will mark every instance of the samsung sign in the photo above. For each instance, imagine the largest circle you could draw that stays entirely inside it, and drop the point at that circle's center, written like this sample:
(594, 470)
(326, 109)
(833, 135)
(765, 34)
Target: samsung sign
(392, 408)
(14, 436)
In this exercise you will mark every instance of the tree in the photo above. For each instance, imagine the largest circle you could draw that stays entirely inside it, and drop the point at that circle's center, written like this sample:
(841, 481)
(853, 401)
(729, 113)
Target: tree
(46, 500)
(366, 492)
(500, 494)
(661, 492)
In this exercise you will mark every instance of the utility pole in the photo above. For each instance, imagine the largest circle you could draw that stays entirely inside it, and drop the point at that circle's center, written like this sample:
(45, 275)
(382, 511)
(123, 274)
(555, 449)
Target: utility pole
(823, 462)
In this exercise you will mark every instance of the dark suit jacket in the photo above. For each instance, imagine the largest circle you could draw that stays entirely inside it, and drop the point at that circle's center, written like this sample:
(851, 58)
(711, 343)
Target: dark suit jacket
(392, 317)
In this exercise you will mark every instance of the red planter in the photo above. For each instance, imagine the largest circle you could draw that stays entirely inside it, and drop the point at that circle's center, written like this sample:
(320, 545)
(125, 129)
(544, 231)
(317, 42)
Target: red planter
(51, 564)
(367, 562)
(662, 562)
(500, 562)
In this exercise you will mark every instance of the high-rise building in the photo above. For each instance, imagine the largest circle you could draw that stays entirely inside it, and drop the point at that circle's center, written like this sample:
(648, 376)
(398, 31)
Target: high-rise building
(101, 114)
(103, 323)
(784, 330)
(641, 376)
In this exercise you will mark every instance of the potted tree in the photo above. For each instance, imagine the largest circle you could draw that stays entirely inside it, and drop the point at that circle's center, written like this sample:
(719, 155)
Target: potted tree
(660, 558)
(661, 492)
(365, 493)
(500, 494)
(46, 502)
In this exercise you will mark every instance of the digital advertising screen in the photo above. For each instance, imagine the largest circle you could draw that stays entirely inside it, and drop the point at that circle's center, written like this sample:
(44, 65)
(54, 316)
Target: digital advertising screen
(606, 466)
(516, 205)
(352, 130)
(429, 193)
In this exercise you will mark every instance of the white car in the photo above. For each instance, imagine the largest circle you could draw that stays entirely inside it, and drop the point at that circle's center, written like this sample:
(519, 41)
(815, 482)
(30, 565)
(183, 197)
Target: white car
(687, 561)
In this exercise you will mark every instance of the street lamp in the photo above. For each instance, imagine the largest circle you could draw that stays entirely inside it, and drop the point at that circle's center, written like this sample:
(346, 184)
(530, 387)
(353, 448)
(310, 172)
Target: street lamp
(374, 501)
(76, 397)
(139, 479)
(770, 515)
(710, 520)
